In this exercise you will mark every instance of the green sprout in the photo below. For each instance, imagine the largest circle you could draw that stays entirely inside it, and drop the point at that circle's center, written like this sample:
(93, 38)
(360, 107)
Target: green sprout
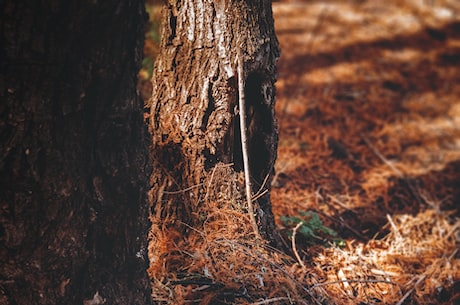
(312, 231)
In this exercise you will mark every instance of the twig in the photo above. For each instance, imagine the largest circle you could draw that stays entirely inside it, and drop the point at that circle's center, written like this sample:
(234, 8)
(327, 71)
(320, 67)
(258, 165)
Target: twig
(394, 227)
(259, 195)
(194, 229)
(353, 281)
(261, 191)
(381, 157)
(294, 248)
(244, 143)
(183, 190)
(410, 185)
(340, 203)
(421, 278)
(272, 300)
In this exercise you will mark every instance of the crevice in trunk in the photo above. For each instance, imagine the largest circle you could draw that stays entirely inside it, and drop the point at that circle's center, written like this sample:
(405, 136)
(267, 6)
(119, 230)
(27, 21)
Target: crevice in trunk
(259, 122)
(206, 128)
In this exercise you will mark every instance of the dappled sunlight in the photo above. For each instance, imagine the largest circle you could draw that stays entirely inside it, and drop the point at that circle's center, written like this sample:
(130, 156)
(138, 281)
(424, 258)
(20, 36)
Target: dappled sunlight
(368, 105)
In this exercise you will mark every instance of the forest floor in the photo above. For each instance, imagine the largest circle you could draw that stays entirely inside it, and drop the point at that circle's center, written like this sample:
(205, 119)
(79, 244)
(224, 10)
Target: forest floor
(368, 104)
(368, 168)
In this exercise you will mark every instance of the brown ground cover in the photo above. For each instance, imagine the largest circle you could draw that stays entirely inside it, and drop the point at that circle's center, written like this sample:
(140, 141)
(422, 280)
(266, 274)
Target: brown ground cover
(368, 104)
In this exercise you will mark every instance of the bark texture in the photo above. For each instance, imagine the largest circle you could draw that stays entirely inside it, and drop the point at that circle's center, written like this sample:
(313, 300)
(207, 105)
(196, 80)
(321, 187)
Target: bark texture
(194, 108)
(73, 154)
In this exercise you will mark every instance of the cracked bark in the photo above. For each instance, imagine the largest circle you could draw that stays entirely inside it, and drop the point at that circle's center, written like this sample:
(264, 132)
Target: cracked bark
(73, 153)
(193, 110)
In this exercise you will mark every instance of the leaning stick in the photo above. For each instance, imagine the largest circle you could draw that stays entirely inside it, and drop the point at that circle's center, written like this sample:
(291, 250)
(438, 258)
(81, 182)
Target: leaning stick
(244, 143)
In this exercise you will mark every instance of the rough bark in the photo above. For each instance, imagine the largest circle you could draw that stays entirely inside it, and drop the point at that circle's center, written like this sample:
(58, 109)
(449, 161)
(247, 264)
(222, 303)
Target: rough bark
(194, 107)
(73, 154)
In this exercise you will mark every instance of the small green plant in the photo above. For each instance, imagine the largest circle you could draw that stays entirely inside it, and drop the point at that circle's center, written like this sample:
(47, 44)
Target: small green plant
(312, 231)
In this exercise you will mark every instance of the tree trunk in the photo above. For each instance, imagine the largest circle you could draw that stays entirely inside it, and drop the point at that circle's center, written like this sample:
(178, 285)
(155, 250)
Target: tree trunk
(194, 116)
(73, 154)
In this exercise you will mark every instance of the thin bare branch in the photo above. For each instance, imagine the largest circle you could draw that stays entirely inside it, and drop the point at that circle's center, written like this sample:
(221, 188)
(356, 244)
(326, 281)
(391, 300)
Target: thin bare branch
(183, 190)
(382, 157)
(294, 248)
(353, 281)
(272, 300)
(244, 144)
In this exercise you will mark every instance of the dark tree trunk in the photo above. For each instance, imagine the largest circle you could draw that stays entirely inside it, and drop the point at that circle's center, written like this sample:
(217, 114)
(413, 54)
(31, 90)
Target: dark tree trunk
(194, 117)
(73, 154)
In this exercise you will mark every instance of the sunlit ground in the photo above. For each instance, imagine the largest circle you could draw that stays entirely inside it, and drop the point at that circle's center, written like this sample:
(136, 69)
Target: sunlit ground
(368, 102)
(369, 110)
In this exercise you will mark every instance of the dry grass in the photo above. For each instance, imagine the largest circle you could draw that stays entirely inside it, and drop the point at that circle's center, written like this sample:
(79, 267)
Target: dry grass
(369, 108)
(221, 261)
